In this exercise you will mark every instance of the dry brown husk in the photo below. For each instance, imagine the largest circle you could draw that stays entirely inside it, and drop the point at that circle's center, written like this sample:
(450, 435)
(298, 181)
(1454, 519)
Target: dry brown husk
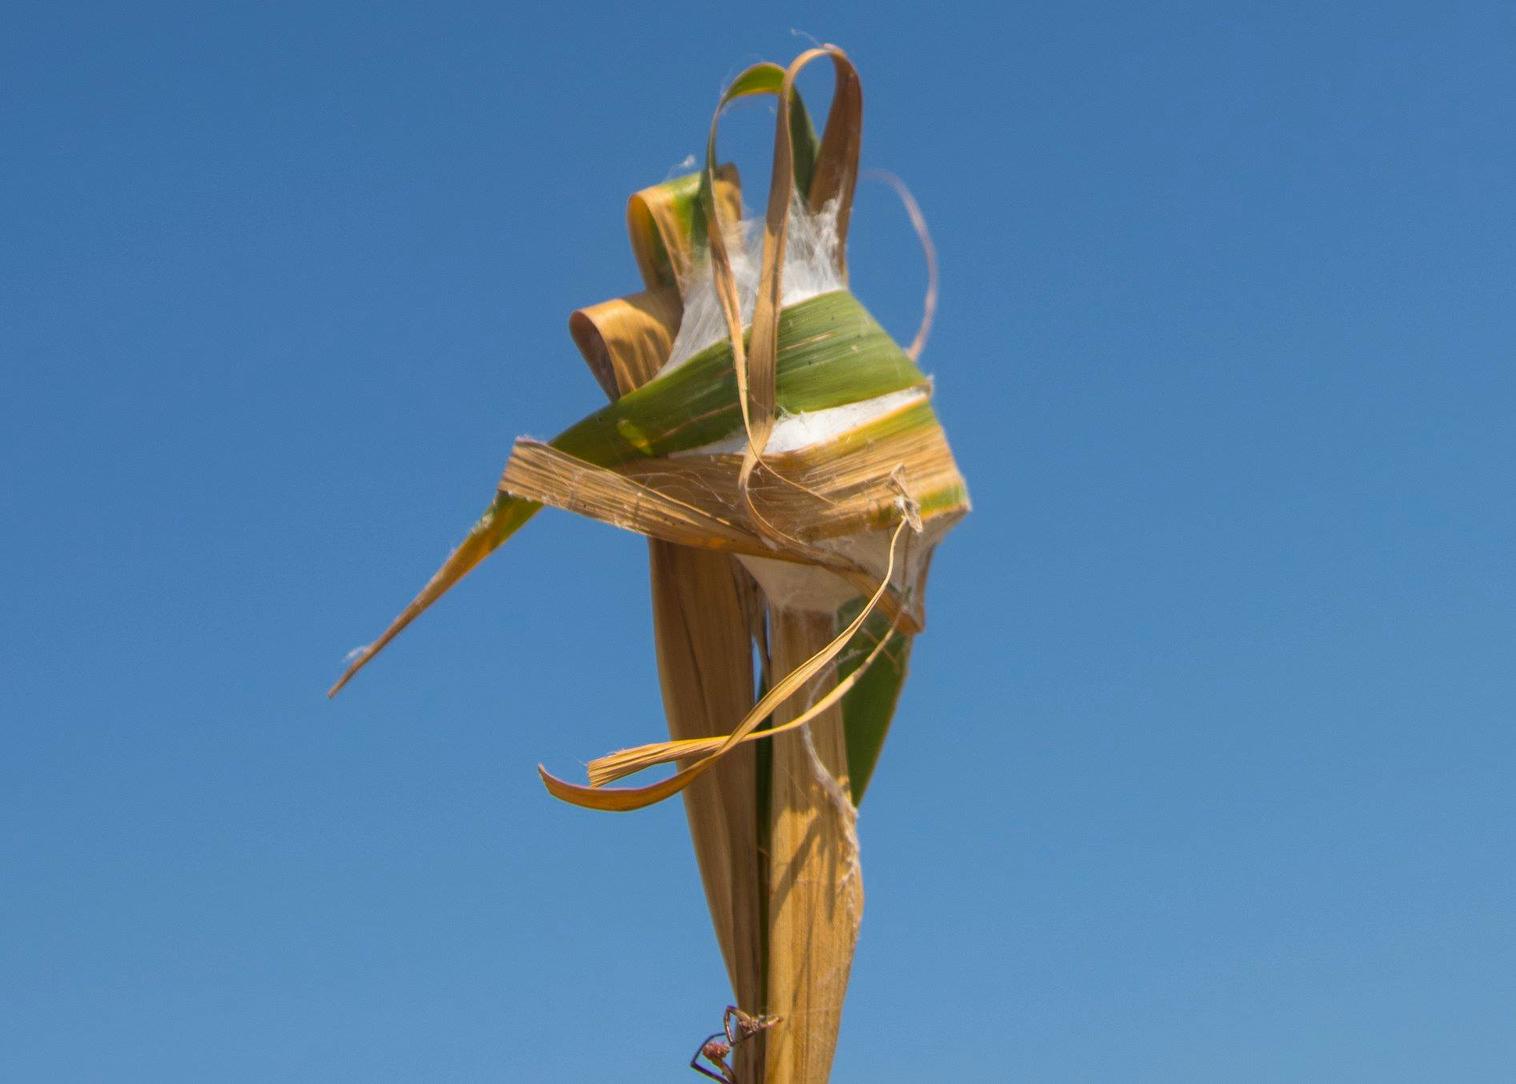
(704, 607)
(766, 779)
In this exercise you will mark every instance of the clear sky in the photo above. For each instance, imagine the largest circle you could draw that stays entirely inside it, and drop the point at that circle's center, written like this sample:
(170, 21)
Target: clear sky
(1205, 768)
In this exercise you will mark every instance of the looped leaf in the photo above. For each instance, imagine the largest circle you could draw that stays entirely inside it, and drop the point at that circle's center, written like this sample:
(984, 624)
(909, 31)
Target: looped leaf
(835, 176)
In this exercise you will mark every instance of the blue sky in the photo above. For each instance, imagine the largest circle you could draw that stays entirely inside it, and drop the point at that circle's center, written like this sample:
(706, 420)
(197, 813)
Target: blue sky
(1204, 771)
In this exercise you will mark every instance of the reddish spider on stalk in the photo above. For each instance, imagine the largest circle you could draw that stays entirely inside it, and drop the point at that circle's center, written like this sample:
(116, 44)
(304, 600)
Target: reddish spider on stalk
(737, 1027)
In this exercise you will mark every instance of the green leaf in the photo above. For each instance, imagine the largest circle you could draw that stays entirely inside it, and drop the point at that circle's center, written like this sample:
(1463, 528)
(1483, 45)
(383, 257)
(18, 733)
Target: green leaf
(869, 706)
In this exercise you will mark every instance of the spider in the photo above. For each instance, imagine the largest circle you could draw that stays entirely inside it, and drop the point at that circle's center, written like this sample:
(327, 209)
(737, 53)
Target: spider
(736, 1027)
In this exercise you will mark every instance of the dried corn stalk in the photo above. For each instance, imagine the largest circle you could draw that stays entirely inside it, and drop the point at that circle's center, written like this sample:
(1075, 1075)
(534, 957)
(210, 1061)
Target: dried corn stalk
(780, 453)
